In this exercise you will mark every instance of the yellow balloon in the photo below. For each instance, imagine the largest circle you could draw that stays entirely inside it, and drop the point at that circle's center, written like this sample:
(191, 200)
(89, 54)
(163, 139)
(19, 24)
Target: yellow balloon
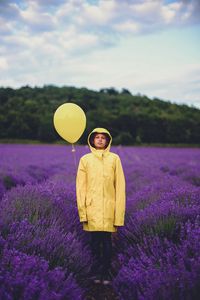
(69, 121)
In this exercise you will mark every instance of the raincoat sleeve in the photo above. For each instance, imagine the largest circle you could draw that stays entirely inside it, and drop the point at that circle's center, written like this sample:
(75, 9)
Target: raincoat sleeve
(120, 194)
(81, 191)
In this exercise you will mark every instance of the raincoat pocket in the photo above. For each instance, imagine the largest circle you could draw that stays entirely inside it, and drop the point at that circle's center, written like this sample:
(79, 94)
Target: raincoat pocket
(90, 210)
(88, 201)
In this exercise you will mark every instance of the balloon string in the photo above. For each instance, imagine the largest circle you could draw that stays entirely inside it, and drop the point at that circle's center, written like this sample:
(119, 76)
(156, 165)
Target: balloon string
(74, 155)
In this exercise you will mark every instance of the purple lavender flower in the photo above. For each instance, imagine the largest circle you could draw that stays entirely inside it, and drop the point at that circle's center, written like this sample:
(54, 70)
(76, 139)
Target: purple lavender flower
(156, 253)
(29, 277)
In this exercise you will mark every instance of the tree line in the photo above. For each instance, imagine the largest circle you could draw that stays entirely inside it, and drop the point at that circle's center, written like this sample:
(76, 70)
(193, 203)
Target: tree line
(27, 113)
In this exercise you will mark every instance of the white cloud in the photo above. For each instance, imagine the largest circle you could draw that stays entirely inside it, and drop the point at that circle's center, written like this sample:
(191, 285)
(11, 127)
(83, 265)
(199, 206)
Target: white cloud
(9, 10)
(104, 17)
(35, 19)
(98, 15)
(127, 27)
(65, 11)
(3, 64)
(169, 12)
(5, 29)
(146, 8)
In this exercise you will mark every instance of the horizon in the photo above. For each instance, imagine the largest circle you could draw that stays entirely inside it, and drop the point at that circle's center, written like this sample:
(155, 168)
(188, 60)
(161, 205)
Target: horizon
(98, 91)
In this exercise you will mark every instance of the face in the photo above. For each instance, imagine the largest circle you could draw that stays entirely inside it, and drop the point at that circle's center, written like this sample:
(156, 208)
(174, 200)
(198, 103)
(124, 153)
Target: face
(100, 141)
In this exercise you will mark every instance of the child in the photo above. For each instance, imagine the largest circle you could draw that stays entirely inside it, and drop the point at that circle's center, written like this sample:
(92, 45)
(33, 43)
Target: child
(100, 189)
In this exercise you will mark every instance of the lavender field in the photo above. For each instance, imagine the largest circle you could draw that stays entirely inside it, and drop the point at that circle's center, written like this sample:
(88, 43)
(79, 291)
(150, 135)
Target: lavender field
(45, 254)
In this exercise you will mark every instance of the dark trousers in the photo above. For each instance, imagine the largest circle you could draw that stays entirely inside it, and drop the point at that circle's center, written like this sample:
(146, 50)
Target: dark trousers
(101, 246)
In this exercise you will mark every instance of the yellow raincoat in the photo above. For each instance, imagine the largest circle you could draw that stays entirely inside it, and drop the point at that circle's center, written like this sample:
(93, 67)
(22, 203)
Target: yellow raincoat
(100, 189)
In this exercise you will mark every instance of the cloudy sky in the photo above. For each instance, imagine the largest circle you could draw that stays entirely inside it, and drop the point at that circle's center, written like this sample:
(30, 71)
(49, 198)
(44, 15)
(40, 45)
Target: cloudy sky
(151, 47)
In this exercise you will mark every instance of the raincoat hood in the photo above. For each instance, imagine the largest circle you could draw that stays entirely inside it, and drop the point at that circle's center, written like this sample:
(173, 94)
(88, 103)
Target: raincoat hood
(95, 151)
